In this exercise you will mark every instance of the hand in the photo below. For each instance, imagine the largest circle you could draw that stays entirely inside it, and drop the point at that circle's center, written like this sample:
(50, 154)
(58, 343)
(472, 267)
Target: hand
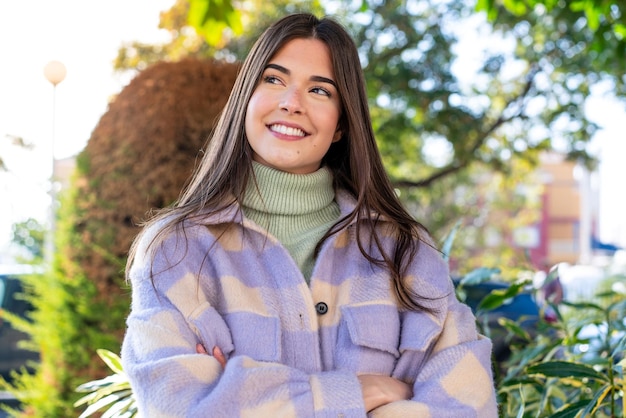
(217, 353)
(380, 390)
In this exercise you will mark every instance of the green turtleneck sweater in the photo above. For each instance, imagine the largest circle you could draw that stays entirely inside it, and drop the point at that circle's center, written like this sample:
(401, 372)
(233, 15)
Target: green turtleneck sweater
(297, 209)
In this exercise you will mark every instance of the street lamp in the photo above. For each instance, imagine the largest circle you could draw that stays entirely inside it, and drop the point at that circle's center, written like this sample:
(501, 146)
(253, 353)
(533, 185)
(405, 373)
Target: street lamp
(55, 72)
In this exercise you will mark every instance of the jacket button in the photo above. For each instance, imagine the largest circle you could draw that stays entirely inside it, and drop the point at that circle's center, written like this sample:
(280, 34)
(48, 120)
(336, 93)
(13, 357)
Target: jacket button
(321, 308)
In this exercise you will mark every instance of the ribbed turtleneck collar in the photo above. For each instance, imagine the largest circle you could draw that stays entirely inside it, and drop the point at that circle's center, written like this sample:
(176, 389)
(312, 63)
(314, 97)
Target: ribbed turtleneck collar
(281, 193)
(297, 209)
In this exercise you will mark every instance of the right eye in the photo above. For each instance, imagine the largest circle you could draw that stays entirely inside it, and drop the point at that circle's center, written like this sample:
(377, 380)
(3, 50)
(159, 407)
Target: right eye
(271, 79)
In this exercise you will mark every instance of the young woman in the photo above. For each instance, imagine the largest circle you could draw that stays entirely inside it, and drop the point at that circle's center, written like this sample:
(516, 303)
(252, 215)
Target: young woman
(288, 280)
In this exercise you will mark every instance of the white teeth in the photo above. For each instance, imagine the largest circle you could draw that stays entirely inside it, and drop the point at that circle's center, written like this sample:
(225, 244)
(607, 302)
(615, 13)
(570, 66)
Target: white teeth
(286, 130)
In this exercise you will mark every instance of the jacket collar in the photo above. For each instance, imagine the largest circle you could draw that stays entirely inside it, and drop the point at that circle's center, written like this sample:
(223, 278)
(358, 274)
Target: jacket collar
(234, 214)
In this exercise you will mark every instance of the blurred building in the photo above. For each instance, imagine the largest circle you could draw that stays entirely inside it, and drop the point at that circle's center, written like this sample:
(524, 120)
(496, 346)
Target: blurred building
(567, 230)
(63, 171)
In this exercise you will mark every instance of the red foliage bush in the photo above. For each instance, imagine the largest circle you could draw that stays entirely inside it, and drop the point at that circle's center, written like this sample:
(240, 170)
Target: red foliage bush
(139, 157)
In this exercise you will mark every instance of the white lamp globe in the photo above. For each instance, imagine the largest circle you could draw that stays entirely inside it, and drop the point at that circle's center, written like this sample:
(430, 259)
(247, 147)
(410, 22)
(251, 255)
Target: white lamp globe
(55, 72)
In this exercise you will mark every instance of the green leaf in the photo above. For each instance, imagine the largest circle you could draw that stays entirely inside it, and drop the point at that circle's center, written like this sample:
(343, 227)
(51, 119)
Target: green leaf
(446, 248)
(593, 17)
(115, 380)
(87, 399)
(499, 296)
(516, 7)
(483, 5)
(620, 29)
(566, 369)
(479, 275)
(570, 410)
(211, 17)
(584, 305)
(577, 5)
(620, 349)
(514, 327)
(597, 401)
(123, 408)
(111, 359)
(93, 408)
(520, 413)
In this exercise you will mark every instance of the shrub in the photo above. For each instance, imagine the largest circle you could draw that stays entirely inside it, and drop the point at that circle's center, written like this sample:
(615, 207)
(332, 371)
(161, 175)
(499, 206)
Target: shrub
(573, 367)
(138, 158)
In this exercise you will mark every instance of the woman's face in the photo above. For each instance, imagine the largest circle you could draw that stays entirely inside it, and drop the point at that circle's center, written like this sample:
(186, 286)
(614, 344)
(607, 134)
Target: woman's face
(293, 115)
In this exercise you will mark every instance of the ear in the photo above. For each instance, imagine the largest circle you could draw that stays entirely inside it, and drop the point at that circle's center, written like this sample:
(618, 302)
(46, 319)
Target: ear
(337, 135)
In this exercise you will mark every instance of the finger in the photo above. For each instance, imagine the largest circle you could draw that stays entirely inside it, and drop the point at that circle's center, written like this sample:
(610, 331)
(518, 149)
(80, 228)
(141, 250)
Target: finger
(219, 356)
(200, 349)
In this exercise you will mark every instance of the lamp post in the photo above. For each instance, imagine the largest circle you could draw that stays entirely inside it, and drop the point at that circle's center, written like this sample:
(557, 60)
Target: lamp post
(55, 72)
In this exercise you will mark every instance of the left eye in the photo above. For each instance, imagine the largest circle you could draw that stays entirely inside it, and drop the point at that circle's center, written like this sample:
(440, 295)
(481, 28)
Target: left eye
(270, 79)
(320, 90)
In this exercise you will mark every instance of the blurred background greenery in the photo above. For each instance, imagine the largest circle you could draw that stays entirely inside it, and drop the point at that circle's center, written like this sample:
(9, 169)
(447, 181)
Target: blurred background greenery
(492, 146)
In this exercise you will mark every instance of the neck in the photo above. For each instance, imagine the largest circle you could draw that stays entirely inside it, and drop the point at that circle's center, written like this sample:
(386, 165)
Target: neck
(297, 209)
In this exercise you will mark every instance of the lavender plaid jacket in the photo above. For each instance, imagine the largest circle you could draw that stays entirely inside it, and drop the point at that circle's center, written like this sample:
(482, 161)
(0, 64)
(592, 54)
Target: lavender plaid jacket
(294, 350)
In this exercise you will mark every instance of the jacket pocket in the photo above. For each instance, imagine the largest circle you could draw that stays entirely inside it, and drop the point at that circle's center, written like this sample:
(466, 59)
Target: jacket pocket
(419, 334)
(368, 338)
(255, 336)
(419, 331)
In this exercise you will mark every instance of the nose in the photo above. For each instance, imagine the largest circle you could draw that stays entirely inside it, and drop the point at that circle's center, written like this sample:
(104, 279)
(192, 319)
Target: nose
(291, 102)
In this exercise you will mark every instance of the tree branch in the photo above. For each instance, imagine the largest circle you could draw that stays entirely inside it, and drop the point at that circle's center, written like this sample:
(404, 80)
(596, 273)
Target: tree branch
(456, 166)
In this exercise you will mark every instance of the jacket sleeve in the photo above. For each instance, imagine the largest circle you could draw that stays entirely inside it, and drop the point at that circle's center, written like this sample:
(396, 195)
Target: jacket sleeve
(169, 379)
(441, 353)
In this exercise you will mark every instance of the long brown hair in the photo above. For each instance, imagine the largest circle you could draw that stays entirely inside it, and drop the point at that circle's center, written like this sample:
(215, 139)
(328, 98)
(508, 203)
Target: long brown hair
(220, 179)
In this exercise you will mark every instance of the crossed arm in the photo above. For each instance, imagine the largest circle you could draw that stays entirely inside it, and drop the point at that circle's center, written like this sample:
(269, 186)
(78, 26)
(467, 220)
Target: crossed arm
(377, 390)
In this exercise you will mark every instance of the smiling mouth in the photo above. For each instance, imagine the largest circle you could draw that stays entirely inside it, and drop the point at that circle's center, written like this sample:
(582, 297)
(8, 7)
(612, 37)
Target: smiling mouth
(286, 130)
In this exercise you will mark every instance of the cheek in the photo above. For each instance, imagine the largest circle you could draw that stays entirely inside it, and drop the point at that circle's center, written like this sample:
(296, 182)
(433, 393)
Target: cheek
(258, 106)
(333, 113)
(251, 113)
(331, 122)
(247, 123)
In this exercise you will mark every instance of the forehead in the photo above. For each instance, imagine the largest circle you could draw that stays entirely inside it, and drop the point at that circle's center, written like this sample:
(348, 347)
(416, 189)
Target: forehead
(306, 54)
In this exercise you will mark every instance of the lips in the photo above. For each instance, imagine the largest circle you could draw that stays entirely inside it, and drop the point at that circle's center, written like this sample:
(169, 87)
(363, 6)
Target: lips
(286, 130)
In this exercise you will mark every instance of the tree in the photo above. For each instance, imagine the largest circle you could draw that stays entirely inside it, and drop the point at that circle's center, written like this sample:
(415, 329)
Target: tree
(491, 121)
(527, 95)
(203, 35)
(519, 102)
(137, 159)
(30, 235)
(600, 16)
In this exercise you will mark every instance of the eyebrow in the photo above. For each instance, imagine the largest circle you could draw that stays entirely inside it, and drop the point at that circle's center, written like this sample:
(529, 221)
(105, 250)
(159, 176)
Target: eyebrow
(317, 78)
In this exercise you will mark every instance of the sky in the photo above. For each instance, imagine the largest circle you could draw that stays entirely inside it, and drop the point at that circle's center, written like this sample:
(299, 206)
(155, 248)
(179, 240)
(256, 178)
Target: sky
(85, 36)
